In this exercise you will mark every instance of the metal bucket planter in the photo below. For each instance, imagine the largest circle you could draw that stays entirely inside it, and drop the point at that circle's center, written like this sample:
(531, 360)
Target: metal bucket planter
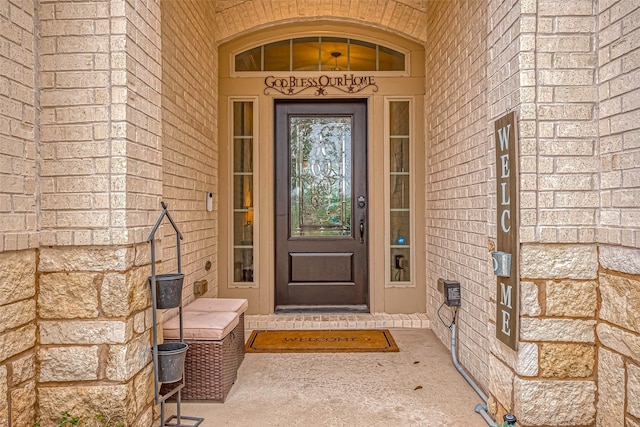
(171, 358)
(168, 290)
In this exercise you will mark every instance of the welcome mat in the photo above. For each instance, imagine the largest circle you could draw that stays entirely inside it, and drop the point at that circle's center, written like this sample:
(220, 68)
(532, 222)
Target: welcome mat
(321, 341)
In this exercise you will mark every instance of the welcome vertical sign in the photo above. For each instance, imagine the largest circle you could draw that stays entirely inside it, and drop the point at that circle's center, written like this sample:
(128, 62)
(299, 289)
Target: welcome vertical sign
(507, 295)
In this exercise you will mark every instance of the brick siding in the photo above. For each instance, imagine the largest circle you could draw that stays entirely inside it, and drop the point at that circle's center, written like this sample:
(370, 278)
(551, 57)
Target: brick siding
(190, 137)
(456, 199)
(18, 151)
(114, 107)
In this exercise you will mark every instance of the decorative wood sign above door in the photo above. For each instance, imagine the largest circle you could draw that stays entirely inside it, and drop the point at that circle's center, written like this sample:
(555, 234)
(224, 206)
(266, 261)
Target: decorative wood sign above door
(345, 83)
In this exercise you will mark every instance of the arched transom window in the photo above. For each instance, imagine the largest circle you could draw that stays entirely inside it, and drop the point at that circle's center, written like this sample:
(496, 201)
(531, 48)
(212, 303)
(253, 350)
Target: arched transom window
(320, 54)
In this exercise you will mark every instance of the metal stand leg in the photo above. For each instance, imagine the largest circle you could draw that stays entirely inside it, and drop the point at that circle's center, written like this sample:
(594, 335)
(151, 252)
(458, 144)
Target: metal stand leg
(174, 420)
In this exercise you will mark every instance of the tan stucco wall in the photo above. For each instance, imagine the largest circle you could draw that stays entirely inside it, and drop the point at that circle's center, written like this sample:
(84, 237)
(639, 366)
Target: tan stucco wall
(384, 296)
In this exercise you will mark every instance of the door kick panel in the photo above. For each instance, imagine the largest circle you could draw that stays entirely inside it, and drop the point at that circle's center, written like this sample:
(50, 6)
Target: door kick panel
(321, 267)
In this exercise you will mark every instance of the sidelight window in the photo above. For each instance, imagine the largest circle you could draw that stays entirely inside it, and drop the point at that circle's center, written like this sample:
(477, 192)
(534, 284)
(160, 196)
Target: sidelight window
(399, 145)
(243, 192)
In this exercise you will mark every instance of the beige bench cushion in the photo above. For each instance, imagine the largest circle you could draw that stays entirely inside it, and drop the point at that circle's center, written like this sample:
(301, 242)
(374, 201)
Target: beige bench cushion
(200, 325)
(239, 305)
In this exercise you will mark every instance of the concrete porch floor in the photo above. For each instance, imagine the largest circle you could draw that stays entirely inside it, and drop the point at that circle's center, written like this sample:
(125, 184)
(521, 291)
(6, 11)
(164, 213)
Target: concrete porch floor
(417, 386)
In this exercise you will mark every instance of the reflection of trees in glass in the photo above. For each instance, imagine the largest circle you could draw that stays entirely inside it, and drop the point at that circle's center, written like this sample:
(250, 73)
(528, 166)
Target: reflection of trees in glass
(320, 176)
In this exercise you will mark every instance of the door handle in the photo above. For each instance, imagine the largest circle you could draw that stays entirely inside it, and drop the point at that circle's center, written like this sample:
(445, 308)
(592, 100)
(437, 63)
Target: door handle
(362, 229)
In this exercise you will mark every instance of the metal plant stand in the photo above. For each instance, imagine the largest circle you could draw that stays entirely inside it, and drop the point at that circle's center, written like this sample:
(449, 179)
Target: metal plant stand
(178, 419)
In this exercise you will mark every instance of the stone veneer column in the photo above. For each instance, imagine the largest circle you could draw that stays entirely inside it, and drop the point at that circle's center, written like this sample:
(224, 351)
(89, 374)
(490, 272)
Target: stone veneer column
(101, 182)
(559, 300)
(94, 348)
(17, 338)
(618, 334)
(573, 82)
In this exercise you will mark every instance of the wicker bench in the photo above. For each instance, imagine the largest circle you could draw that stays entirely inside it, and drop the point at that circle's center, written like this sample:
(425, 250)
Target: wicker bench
(211, 364)
(239, 305)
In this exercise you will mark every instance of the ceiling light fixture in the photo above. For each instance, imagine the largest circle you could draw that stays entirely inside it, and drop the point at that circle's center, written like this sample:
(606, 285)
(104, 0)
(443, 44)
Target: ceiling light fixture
(336, 55)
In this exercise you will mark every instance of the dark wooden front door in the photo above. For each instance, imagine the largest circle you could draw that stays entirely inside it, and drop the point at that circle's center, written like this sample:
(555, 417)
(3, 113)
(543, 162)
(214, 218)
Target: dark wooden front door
(321, 249)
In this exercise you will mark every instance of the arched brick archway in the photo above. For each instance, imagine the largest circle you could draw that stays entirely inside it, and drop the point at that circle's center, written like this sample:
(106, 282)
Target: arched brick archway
(403, 17)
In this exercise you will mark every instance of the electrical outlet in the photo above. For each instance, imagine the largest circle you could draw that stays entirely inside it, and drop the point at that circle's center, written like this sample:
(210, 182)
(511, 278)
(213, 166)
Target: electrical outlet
(200, 288)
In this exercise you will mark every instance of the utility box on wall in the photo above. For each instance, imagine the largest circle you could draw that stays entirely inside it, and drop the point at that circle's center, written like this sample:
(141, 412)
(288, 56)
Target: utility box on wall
(451, 292)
